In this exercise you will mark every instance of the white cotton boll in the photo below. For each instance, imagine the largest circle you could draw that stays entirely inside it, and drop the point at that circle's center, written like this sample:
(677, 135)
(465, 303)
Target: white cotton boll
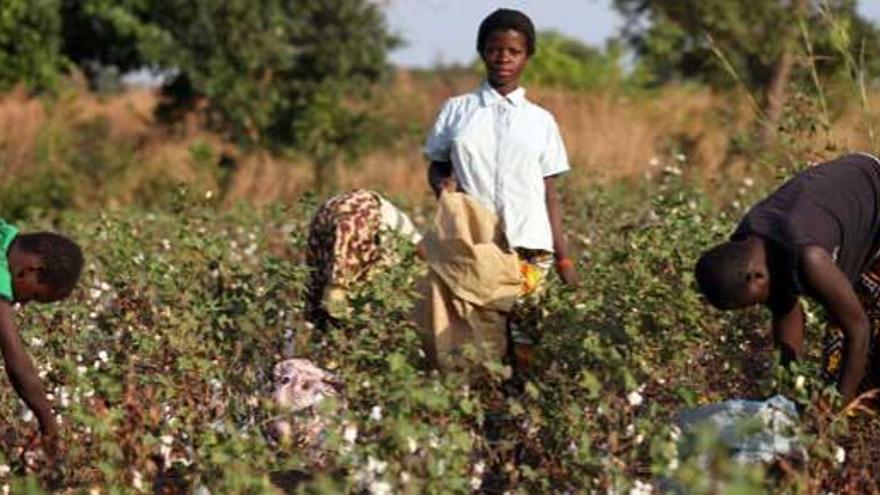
(380, 488)
(634, 398)
(27, 416)
(376, 413)
(412, 445)
(5, 470)
(350, 433)
(799, 382)
(137, 481)
(641, 488)
(840, 454)
(476, 482)
(376, 466)
(103, 356)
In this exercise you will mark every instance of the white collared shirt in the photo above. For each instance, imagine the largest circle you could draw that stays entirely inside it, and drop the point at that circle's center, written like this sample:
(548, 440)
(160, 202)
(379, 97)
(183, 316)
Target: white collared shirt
(501, 149)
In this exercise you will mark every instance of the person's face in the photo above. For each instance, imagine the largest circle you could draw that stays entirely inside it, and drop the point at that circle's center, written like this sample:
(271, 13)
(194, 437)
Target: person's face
(26, 285)
(505, 56)
(756, 290)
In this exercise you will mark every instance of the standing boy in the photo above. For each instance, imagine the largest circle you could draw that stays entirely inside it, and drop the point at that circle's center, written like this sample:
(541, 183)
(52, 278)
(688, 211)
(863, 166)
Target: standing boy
(505, 153)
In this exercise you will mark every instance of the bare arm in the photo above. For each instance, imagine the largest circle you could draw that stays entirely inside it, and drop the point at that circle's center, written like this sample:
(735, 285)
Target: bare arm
(828, 284)
(788, 330)
(440, 176)
(564, 267)
(22, 374)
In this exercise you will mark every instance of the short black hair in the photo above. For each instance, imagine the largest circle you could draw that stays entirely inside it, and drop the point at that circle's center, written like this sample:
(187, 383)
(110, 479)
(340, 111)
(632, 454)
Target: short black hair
(722, 273)
(503, 20)
(62, 259)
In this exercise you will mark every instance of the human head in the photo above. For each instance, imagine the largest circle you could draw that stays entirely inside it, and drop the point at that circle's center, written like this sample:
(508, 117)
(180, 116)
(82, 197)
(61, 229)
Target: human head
(44, 266)
(507, 20)
(505, 41)
(734, 274)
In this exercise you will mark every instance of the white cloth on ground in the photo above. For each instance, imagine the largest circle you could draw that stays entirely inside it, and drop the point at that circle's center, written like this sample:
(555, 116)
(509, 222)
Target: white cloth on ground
(755, 431)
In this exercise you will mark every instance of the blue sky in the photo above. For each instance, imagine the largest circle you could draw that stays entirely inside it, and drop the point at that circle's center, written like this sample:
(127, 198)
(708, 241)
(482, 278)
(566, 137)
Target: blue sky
(445, 30)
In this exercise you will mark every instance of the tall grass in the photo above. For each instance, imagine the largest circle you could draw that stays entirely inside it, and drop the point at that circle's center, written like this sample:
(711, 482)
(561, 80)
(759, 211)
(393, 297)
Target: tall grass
(609, 134)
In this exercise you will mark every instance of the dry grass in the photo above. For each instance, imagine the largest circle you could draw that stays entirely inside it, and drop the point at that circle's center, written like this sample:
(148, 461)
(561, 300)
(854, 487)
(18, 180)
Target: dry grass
(609, 135)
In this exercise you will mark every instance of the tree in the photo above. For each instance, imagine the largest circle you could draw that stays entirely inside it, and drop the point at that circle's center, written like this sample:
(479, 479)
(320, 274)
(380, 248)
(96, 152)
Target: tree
(29, 44)
(761, 41)
(566, 62)
(276, 74)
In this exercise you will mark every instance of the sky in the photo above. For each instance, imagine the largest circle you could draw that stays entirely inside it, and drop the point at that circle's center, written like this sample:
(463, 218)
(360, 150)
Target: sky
(445, 31)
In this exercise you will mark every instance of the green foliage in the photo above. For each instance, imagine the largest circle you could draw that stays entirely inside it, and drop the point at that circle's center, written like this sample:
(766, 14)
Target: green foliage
(273, 74)
(277, 74)
(30, 39)
(565, 62)
(166, 349)
(672, 42)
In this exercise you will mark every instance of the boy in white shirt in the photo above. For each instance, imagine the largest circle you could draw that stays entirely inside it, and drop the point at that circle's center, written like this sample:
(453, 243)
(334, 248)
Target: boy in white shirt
(506, 152)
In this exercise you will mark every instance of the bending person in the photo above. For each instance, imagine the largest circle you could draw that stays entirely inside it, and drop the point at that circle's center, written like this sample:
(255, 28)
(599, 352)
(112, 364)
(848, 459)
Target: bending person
(815, 236)
(42, 267)
(347, 241)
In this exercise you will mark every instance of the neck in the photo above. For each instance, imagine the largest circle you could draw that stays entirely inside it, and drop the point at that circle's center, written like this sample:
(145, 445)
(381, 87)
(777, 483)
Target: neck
(504, 89)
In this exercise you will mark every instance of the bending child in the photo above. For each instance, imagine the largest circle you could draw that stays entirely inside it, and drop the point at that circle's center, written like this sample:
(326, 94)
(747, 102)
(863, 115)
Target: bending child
(42, 267)
(348, 240)
(817, 235)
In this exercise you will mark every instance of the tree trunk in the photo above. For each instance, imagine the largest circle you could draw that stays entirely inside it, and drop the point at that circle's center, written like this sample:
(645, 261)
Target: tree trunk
(325, 174)
(777, 93)
(777, 89)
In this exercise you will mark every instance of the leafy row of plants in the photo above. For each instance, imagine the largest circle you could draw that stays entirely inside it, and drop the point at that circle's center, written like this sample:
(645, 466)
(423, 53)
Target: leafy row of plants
(160, 365)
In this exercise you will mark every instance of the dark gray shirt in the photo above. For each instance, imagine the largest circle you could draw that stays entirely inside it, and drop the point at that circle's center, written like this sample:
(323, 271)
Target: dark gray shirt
(834, 205)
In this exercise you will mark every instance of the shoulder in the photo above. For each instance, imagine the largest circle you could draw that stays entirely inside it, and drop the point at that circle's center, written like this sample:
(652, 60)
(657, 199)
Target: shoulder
(541, 115)
(461, 102)
(812, 255)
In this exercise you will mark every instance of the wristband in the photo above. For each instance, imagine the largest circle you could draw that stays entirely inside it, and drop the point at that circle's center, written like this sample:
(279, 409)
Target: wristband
(564, 263)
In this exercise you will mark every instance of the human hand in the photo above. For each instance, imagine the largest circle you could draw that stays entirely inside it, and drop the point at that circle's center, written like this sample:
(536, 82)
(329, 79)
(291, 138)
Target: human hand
(49, 441)
(449, 184)
(566, 271)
